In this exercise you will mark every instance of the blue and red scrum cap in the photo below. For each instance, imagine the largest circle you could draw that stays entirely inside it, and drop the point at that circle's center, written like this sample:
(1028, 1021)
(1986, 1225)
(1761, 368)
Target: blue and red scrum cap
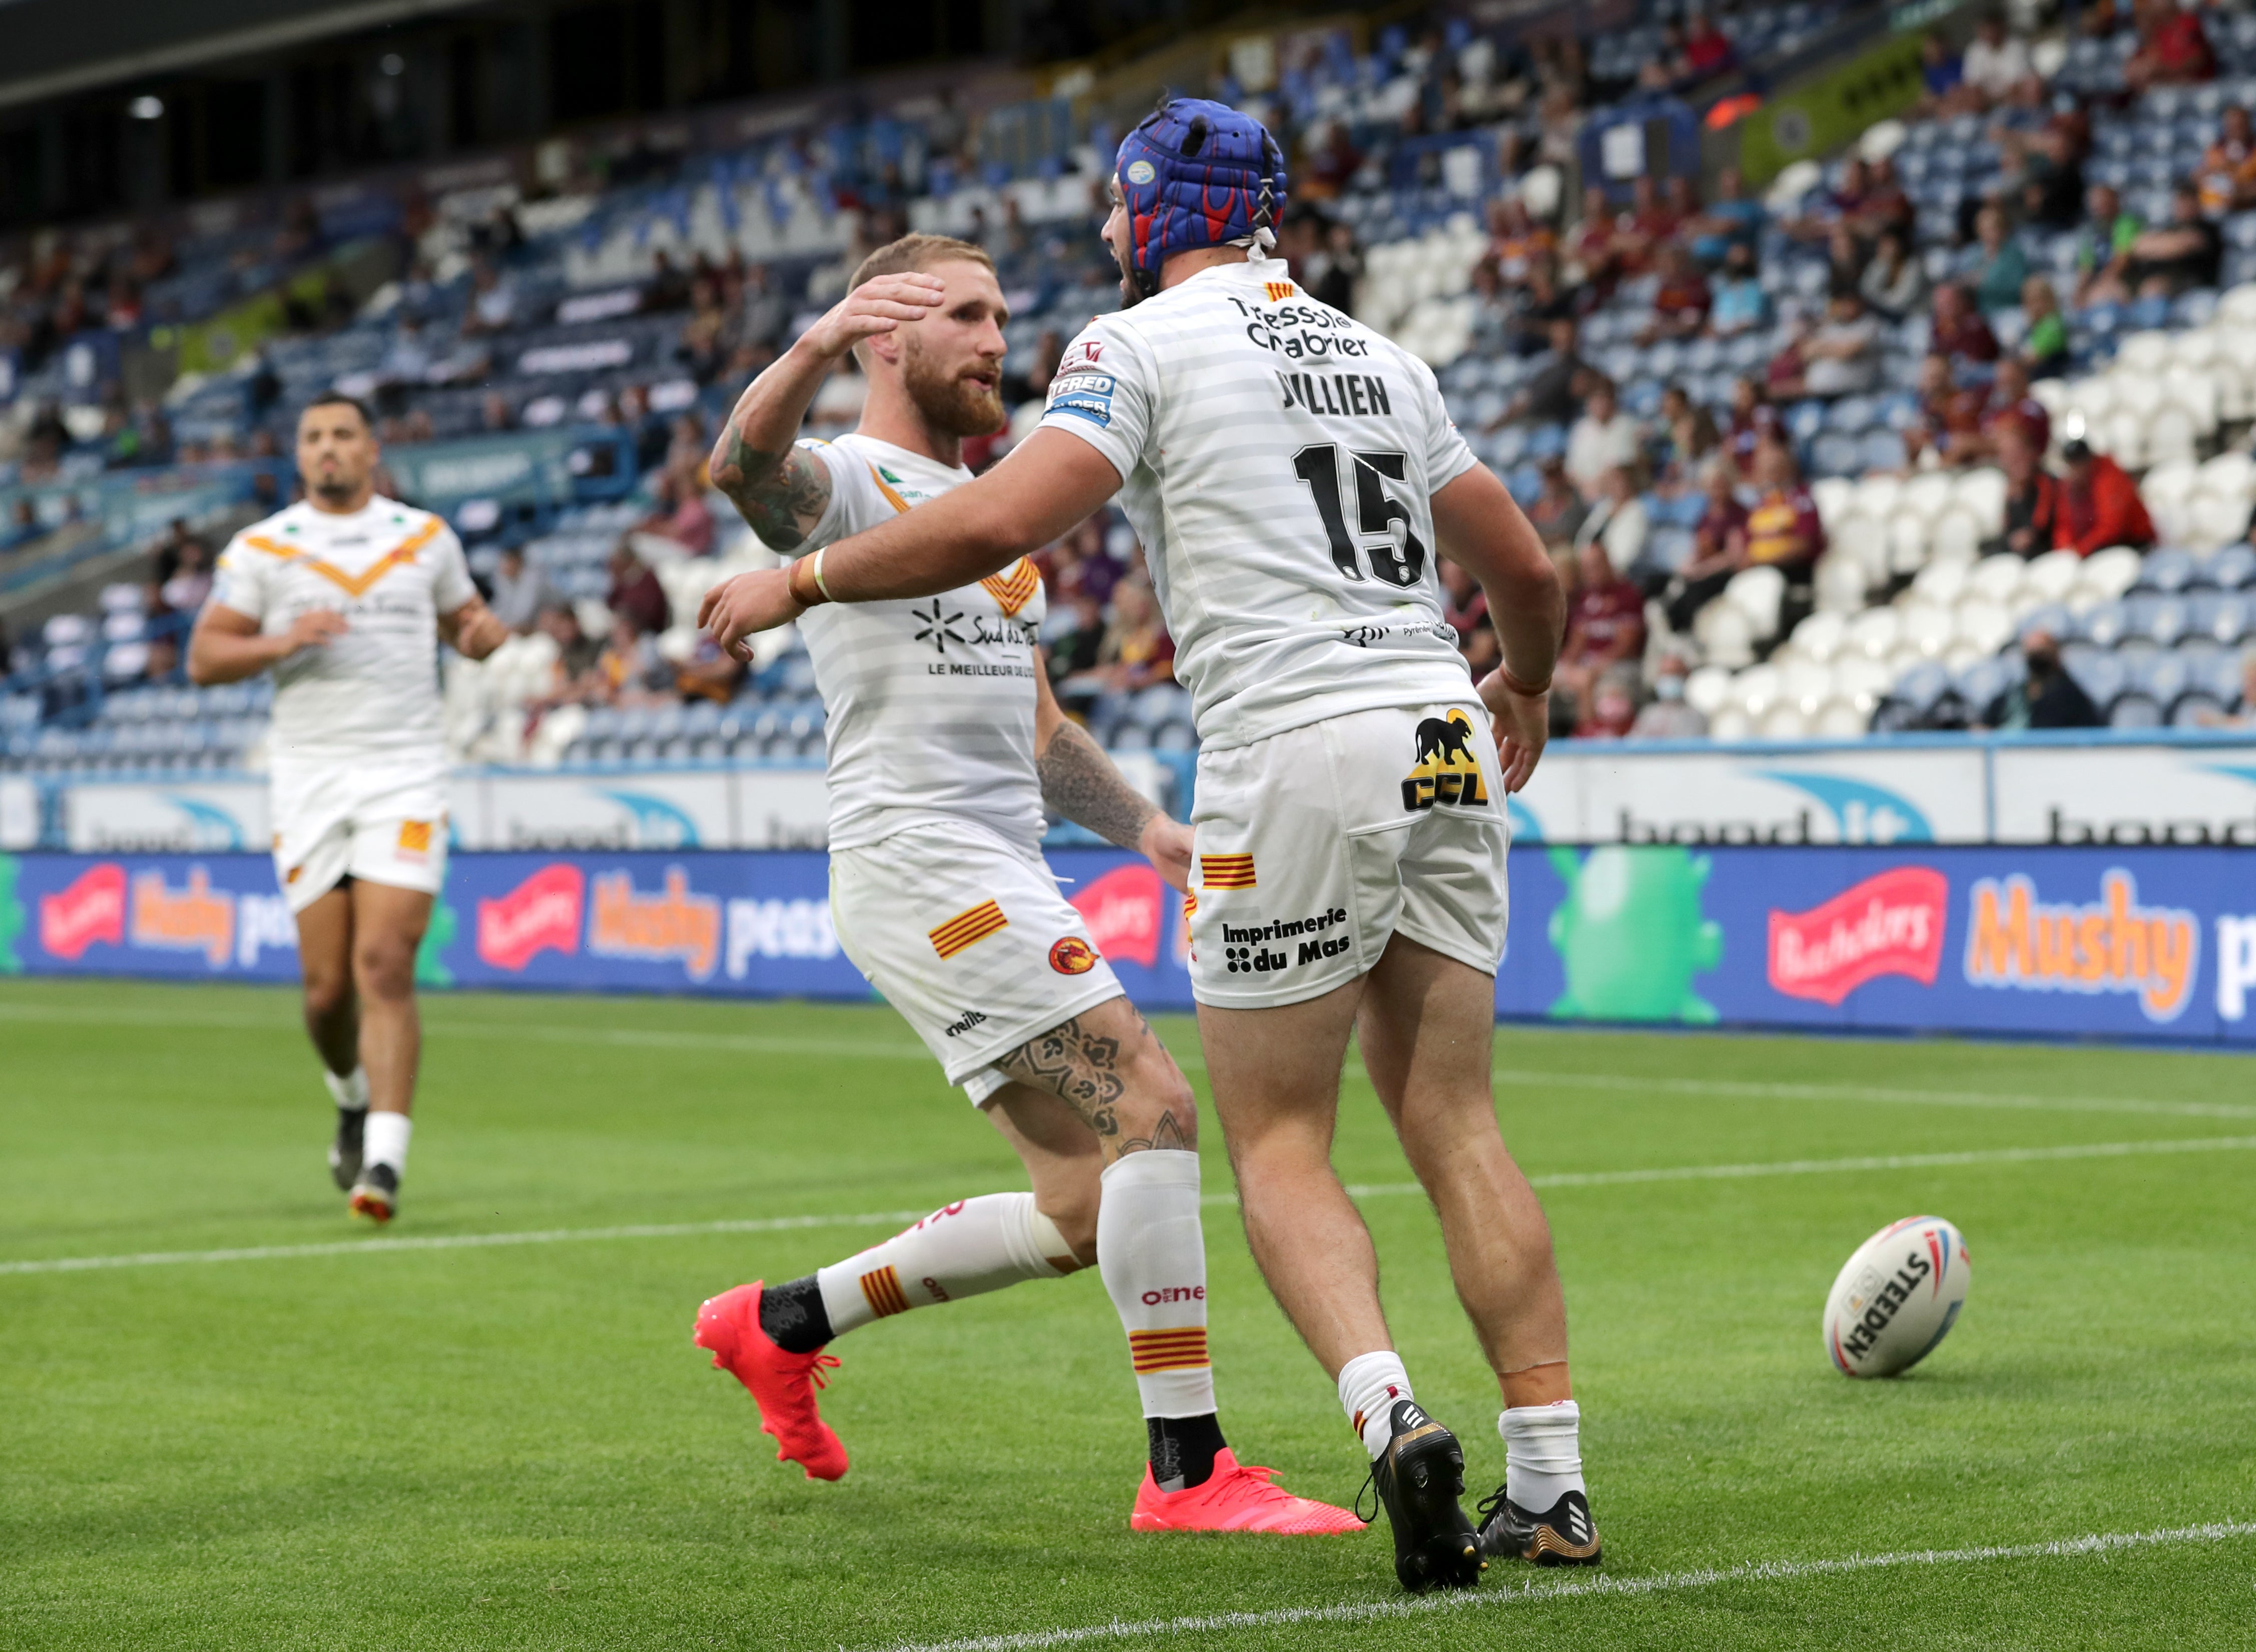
(1196, 174)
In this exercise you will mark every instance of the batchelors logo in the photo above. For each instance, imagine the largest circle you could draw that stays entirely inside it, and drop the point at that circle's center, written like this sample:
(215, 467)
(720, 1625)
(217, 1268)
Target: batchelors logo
(1888, 925)
(543, 911)
(90, 909)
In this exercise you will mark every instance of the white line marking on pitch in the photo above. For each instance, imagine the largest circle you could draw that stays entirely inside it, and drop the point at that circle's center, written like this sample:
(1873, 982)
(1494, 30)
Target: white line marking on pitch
(765, 1044)
(1599, 1584)
(1361, 1190)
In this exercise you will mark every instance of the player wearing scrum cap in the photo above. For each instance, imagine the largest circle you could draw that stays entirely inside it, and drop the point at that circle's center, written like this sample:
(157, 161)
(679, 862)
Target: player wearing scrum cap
(944, 745)
(342, 596)
(1292, 476)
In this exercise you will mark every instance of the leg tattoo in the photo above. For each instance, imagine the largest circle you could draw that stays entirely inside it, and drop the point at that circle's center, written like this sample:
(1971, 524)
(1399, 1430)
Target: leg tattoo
(1080, 1068)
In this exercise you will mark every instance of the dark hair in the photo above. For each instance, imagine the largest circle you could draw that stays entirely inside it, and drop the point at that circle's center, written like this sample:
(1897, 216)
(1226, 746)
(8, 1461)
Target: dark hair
(338, 399)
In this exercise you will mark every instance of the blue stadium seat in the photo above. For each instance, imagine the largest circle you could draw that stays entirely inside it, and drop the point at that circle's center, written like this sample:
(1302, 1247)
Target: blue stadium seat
(2166, 571)
(2233, 567)
(2104, 625)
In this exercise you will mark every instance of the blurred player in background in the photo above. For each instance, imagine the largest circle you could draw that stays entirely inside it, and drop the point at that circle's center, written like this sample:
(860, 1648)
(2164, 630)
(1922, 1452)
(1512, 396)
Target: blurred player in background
(944, 746)
(343, 595)
(1291, 474)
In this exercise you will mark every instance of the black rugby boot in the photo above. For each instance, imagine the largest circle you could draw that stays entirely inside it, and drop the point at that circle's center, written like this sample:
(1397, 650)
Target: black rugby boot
(1565, 1537)
(344, 1152)
(1420, 1476)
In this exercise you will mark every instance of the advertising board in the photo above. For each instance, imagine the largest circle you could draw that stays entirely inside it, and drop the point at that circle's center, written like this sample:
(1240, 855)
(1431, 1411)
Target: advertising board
(2093, 941)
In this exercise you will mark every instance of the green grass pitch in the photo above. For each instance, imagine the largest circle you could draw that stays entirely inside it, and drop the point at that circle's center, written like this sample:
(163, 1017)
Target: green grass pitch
(516, 1447)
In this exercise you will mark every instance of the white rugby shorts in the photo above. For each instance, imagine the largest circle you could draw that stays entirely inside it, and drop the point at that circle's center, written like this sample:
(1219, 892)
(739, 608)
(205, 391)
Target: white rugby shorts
(1317, 845)
(969, 938)
(378, 819)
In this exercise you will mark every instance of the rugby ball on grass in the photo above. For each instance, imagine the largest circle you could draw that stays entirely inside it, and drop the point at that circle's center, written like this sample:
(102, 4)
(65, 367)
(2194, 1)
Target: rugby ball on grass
(1898, 1297)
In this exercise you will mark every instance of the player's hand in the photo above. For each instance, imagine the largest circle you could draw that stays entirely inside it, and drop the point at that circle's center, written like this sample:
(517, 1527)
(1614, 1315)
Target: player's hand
(1167, 845)
(758, 601)
(313, 629)
(874, 308)
(1523, 723)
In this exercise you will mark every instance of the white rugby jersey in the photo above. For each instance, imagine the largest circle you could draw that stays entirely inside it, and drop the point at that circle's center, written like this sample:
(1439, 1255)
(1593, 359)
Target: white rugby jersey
(390, 570)
(1279, 460)
(930, 701)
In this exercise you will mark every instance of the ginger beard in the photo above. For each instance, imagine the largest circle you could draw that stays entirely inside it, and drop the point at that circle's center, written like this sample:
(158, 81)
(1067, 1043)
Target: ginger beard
(951, 404)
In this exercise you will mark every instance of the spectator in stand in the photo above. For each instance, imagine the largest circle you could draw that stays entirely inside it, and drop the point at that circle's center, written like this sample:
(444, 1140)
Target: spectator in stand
(1536, 307)
(2010, 404)
(1741, 305)
(185, 590)
(1558, 387)
(635, 591)
(1835, 203)
(1464, 608)
(1138, 653)
(1894, 282)
(1557, 511)
(2044, 347)
(2227, 178)
(1682, 302)
(1842, 356)
(1516, 241)
(1601, 438)
(2002, 266)
(629, 671)
(2103, 252)
(1993, 64)
(1605, 625)
(1687, 438)
(708, 673)
(1941, 72)
(1886, 206)
(1665, 716)
(2099, 505)
(1074, 652)
(1844, 261)
(1958, 331)
(2185, 253)
(493, 301)
(1728, 221)
(682, 514)
(1754, 421)
(1594, 250)
(1708, 50)
(2031, 496)
(1650, 225)
(2048, 697)
(2174, 49)
(576, 654)
(23, 524)
(519, 593)
(1612, 705)
(1783, 530)
(1949, 416)
(1619, 524)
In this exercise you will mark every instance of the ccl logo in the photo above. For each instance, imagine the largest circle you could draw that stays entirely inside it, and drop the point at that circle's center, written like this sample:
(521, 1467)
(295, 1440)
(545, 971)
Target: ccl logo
(1444, 769)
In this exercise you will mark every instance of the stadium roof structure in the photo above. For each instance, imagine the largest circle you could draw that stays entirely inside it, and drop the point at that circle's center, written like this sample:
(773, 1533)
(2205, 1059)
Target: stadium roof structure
(51, 48)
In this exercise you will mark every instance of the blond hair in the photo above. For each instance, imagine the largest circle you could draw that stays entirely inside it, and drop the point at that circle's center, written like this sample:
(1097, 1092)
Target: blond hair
(914, 254)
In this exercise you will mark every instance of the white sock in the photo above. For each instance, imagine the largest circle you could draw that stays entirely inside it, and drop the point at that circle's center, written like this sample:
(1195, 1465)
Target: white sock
(964, 1249)
(1369, 1385)
(350, 1090)
(385, 1141)
(1542, 1453)
(1151, 1248)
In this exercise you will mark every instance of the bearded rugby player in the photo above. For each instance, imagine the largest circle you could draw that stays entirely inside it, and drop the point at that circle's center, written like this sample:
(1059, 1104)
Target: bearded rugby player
(945, 745)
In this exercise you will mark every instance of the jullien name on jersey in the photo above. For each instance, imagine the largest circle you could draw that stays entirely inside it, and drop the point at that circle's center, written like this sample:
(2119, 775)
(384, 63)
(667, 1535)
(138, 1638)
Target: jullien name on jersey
(1337, 395)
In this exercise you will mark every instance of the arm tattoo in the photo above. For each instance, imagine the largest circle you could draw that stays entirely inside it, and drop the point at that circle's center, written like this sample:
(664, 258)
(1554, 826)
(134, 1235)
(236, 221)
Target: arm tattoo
(1080, 782)
(1079, 1068)
(782, 495)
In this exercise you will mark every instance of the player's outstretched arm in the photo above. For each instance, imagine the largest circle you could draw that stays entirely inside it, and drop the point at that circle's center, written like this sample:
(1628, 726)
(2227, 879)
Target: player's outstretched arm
(226, 647)
(1482, 530)
(1050, 481)
(780, 489)
(473, 631)
(1081, 783)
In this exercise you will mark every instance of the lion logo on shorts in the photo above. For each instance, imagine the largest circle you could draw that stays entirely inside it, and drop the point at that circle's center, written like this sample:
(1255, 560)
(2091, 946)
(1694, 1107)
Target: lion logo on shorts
(1443, 767)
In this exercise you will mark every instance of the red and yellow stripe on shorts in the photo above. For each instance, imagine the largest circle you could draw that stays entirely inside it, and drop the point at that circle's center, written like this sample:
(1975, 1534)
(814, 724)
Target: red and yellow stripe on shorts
(966, 928)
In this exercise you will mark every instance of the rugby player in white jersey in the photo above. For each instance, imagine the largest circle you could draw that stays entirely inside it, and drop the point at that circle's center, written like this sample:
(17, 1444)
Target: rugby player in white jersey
(343, 597)
(944, 745)
(1292, 476)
